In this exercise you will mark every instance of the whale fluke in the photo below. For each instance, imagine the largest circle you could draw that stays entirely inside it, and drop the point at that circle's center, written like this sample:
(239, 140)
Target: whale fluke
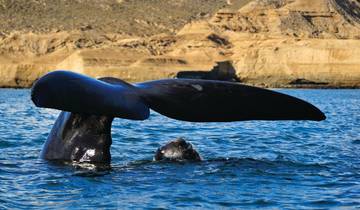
(82, 132)
(181, 99)
(218, 101)
(72, 92)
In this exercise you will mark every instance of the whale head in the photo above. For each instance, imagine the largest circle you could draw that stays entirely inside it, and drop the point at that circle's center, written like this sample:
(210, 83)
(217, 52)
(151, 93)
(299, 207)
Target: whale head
(177, 150)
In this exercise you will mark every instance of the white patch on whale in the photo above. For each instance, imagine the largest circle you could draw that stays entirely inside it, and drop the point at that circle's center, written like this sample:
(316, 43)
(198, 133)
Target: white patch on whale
(88, 154)
(197, 87)
(172, 153)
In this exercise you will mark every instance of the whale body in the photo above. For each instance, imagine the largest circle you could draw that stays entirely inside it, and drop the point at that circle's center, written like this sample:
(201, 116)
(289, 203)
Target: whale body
(82, 132)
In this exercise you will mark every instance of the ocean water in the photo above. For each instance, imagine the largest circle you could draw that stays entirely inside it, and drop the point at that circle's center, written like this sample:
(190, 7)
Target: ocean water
(247, 165)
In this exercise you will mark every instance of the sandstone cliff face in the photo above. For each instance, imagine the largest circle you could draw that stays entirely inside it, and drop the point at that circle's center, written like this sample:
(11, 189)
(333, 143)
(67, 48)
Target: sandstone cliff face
(282, 62)
(294, 18)
(295, 43)
(275, 43)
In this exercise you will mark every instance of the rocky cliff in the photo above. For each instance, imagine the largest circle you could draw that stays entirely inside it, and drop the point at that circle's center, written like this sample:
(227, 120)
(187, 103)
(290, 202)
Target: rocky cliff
(275, 43)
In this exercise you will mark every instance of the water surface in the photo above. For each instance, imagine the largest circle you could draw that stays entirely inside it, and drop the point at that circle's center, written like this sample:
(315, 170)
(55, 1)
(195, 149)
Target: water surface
(288, 165)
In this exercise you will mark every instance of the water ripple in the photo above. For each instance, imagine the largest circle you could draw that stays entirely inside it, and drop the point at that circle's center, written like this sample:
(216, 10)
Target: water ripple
(276, 165)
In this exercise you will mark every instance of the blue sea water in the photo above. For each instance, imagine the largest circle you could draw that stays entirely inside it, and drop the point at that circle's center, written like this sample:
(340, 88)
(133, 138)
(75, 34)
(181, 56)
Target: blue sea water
(247, 165)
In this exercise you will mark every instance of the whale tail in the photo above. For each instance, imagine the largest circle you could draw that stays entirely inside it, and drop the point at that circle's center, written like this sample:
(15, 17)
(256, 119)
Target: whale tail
(72, 92)
(181, 99)
(217, 101)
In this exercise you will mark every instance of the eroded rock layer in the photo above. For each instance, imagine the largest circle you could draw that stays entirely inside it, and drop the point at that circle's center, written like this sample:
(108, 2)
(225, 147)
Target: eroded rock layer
(275, 43)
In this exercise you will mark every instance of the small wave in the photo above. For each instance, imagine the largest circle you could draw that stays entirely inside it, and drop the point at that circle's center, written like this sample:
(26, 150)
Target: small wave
(356, 141)
(263, 203)
(6, 144)
(217, 165)
(91, 173)
(256, 203)
(265, 162)
(337, 184)
(324, 203)
(80, 169)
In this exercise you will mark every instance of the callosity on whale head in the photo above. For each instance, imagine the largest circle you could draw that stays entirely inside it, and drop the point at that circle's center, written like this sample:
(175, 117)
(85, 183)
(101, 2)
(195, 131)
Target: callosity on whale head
(177, 150)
